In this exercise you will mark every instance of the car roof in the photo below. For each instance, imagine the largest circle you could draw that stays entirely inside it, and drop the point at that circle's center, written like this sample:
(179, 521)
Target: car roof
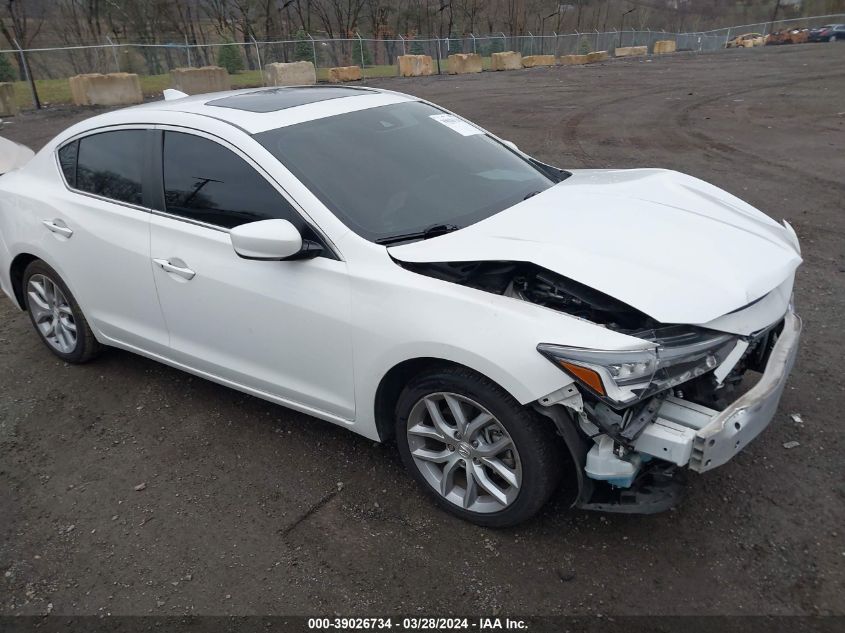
(258, 110)
(276, 99)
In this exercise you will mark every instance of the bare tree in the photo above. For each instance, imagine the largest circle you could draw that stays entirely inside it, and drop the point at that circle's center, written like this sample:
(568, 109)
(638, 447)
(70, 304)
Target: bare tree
(338, 18)
(80, 23)
(21, 22)
(146, 22)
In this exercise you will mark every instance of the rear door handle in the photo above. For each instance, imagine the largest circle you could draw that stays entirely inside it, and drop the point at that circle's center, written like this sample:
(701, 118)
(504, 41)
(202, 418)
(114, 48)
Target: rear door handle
(58, 227)
(177, 268)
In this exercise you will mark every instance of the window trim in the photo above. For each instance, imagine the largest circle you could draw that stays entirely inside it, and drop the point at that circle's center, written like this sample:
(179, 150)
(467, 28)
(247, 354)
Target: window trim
(330, 251)
(145, 184)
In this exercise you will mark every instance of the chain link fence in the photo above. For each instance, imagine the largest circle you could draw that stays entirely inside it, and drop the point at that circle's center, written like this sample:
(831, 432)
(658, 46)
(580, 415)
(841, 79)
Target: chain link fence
(376, 56)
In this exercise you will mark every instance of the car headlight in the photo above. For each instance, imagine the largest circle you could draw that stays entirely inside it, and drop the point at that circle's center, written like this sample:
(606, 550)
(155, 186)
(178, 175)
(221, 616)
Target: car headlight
(621, 378)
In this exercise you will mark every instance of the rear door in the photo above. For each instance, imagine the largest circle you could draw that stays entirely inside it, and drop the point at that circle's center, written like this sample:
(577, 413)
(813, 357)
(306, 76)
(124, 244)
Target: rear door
(280, 328)
(98, 232)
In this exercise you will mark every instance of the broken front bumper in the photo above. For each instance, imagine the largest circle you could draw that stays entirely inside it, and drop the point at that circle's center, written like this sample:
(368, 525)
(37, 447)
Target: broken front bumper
(689, 434)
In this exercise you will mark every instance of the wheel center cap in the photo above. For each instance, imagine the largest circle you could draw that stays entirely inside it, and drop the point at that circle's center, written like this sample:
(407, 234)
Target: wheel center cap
(464, 449)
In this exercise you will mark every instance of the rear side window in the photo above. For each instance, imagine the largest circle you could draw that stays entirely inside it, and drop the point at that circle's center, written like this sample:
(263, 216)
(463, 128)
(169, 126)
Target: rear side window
(111, 165)
(67, 160)
(204, 181)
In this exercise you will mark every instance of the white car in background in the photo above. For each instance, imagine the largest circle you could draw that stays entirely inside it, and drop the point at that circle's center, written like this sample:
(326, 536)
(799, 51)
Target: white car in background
(373, 260)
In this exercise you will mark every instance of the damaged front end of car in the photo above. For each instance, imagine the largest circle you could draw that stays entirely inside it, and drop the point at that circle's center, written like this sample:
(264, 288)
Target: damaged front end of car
(635, 420)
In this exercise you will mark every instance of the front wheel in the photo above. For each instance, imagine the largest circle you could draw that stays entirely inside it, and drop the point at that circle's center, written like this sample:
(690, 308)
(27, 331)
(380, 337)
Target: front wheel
(479, 453)
(56, 316)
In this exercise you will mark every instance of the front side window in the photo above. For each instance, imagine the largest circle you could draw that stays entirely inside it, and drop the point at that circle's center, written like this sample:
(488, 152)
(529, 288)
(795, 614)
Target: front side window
(109, 164)
(391, 172)
(206, 182)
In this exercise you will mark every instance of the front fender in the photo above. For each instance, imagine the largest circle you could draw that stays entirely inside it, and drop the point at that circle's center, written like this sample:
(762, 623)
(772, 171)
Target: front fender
(400, 315)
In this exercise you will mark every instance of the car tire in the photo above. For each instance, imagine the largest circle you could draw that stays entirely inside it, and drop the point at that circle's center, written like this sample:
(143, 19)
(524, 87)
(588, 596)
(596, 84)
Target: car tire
(508, 486)
(56, 316)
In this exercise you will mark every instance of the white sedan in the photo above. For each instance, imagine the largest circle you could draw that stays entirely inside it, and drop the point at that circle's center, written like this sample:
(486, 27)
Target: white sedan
(373, 260)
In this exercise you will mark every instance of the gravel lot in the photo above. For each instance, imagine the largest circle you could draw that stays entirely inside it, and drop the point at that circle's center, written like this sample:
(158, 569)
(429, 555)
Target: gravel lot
(249, 508)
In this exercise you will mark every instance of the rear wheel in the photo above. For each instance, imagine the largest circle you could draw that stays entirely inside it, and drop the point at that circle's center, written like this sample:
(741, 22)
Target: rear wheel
(56, 316)
(478, 452)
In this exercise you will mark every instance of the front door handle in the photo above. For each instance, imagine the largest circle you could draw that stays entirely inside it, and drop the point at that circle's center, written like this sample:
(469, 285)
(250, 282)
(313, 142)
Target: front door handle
(58, 227)
(177, 267)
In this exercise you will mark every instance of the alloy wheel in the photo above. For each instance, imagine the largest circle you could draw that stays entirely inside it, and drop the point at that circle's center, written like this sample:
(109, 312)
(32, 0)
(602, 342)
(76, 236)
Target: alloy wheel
(52, 313)
(464, 453)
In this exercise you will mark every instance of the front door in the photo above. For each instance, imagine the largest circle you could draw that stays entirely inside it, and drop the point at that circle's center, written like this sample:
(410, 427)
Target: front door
(280, 328)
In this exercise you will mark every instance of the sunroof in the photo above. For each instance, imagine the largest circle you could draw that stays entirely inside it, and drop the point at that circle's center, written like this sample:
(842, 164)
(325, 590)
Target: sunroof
(282, 98)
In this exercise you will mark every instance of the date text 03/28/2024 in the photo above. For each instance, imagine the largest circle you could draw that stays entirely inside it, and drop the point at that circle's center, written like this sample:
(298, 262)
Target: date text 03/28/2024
(417, 624)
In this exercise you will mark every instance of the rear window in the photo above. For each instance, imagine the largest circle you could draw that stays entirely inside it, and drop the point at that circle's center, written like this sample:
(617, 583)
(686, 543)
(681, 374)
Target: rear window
(110, 164)
(67, 161)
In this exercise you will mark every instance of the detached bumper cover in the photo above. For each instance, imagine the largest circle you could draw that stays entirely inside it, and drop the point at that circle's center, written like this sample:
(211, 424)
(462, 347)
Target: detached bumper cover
(732, 429)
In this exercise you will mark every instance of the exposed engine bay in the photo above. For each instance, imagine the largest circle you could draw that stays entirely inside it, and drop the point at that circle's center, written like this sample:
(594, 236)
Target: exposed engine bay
(647, 422)
(532, 283)
(529, 282)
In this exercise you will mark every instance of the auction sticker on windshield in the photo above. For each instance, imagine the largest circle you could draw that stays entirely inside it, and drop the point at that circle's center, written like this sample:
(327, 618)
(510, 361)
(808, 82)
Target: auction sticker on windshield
(461, 127)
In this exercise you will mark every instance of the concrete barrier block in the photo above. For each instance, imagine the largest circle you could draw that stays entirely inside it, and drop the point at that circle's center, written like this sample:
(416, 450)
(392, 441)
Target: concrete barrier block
(509, 60)
(632, 51)
(197, 81)
(464, 63)
(662, 47)
(415, 65)
(77, 88)
(8, 103)
(597, 56)
(760, 41)
(343, 74)
(107, 90)
(574, 60)
(290, 74)
(533, 61)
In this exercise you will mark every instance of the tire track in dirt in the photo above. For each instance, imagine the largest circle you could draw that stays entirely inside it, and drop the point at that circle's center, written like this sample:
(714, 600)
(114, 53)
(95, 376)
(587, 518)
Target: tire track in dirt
(699, 138)
(573, 123)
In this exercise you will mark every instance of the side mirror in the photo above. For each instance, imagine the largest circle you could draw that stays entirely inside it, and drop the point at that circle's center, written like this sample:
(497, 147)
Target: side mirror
(271, 240)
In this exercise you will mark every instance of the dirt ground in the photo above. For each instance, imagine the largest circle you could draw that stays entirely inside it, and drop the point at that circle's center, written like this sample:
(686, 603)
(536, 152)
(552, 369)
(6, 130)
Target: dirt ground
(253, 509)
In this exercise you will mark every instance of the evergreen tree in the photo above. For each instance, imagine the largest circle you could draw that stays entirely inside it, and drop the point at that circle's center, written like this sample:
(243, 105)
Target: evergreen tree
(229, 57)
(417, 48)
(584, 47)
(7, 72)
(357, 47)
(302, 51)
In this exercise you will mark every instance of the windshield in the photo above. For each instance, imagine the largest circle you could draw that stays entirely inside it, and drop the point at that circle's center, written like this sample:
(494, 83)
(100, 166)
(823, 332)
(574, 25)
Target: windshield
(397, 170)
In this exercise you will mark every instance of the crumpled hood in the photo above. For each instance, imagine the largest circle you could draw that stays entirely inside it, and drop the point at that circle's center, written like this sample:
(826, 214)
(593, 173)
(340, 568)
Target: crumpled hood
(670, 245)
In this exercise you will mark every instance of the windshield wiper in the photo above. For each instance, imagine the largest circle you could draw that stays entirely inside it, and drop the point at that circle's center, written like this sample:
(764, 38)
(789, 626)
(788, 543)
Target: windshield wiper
(434, 230)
